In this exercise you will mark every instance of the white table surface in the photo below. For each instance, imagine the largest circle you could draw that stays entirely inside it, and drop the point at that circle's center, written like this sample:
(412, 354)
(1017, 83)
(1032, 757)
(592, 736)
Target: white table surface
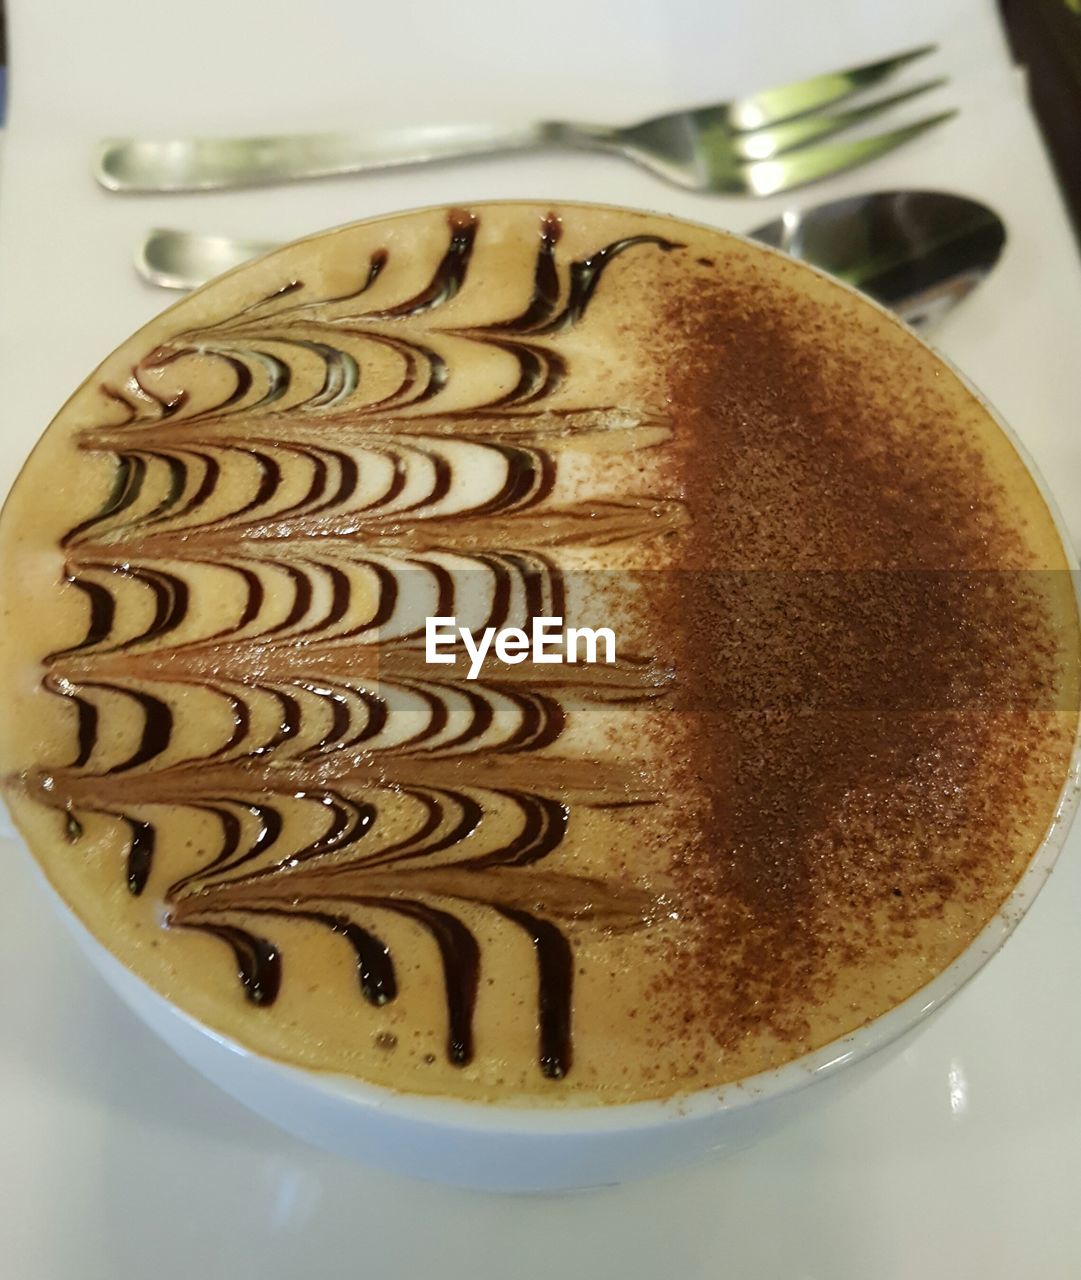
(961, 1158)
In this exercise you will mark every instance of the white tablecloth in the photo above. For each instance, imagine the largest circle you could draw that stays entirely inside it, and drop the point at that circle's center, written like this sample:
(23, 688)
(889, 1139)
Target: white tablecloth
(962, 1158)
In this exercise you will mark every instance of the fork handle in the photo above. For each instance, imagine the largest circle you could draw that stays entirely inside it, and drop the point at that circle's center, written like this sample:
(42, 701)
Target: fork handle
(205, 164)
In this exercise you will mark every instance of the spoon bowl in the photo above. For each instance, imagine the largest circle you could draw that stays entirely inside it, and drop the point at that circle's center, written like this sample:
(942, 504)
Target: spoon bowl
(917, 252)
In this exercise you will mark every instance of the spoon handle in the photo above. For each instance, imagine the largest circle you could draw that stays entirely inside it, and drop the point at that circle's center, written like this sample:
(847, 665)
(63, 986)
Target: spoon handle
(185, 259)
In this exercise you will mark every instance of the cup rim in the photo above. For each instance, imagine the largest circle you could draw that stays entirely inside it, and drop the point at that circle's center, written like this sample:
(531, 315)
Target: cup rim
(571, 1118)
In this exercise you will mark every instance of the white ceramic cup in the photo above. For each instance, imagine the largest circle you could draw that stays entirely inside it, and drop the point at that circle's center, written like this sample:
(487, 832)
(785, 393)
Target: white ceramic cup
(545, 1149)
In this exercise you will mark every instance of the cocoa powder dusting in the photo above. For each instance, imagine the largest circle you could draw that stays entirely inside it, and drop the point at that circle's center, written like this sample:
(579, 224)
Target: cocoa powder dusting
(864, 650)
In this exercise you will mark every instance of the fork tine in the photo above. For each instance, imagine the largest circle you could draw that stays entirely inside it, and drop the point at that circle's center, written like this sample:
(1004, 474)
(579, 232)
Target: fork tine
(767, 177)
(783, 103)
(762, 144)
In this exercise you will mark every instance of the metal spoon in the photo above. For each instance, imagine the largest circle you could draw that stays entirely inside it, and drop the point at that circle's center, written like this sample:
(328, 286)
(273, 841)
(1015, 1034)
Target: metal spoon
(917, 252)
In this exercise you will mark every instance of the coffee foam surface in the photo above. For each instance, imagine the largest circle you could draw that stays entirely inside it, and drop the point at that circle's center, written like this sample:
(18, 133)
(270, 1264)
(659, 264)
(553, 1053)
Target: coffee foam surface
(836, 730)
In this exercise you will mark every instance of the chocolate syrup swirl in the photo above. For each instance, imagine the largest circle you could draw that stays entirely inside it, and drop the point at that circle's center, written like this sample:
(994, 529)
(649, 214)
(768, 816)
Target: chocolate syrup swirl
(449, 275)
(258, 961)
(331, 482)
(555, 965)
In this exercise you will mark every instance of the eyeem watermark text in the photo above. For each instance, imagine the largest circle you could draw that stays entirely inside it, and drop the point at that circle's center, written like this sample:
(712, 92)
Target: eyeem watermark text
(547, 642)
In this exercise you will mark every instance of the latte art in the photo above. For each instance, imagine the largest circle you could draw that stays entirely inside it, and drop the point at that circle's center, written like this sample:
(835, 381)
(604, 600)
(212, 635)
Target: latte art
(688, 858)
(285, 357)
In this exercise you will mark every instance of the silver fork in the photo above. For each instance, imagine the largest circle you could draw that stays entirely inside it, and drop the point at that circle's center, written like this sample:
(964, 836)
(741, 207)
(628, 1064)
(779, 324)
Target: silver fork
(760, 145)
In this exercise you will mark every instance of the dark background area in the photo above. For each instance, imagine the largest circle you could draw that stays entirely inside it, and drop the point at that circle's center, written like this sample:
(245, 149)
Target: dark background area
(3, 62)
(1045, 36)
